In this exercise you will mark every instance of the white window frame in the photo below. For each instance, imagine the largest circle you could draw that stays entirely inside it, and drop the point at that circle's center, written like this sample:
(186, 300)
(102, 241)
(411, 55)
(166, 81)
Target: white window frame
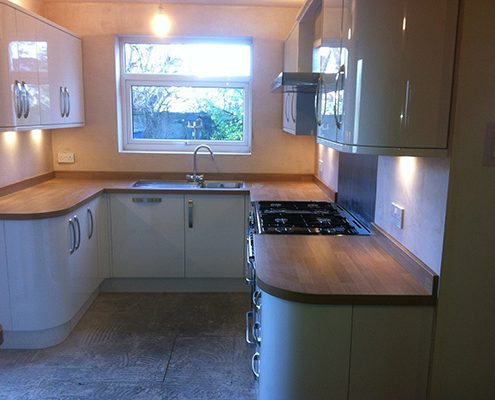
(126, 80)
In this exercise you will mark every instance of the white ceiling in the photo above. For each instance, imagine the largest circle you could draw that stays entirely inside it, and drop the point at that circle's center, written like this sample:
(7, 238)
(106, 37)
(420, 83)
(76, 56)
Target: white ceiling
(267, 3)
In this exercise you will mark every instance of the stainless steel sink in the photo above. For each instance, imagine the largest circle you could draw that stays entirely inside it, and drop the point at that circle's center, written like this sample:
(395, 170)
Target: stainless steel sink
(158, 184)
(222, 185)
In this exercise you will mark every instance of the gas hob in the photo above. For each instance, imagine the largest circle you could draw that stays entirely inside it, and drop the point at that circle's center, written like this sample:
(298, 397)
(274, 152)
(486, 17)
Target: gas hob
(306, 218)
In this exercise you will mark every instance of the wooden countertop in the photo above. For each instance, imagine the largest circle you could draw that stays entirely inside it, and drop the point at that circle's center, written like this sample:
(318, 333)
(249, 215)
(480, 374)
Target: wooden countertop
(314, 269)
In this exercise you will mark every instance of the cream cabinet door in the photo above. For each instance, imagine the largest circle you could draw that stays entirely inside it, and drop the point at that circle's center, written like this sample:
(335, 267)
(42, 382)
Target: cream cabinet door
(215, 235)
(147, 235)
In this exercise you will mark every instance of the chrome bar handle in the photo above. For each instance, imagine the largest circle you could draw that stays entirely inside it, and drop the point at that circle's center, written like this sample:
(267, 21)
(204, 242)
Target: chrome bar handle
(255, 365)
(146, 200)
(190, 209)
(249, 318)
(17, 99)
(292, 107)
(92, 225)
(286, 110)
(78, 242)
(318, 101)
(62, 102)
(67, 97)
(26, 99)
(339, 85)
(256, 331)
(72, 236)
(257, 299)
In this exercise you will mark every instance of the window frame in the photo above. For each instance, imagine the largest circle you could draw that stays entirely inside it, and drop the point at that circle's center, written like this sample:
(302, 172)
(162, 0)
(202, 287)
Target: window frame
(178, 146)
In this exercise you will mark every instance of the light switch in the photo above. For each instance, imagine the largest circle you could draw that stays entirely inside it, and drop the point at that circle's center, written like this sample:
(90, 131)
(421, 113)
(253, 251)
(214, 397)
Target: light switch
(398, 215)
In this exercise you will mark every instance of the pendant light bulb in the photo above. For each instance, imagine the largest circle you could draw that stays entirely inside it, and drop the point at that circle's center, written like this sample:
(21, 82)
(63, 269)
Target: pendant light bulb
(161, 22)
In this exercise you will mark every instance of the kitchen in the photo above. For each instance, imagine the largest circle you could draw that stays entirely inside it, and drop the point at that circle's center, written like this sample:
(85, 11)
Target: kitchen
(443, 184)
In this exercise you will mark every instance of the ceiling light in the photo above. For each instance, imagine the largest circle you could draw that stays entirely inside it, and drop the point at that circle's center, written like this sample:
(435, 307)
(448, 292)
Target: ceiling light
(161, 22)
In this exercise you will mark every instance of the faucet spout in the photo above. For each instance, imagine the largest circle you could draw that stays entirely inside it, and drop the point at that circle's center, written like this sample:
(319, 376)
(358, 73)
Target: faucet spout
(194, 177)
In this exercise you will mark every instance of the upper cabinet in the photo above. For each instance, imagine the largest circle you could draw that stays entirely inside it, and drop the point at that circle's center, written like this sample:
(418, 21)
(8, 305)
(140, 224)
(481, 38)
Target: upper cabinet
(389, 68)
(41, 73)
(299, 110)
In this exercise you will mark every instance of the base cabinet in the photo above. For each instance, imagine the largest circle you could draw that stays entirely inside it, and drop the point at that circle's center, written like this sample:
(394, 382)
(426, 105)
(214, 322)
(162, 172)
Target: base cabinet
(147, 235)
(52, 267)
(311, 351)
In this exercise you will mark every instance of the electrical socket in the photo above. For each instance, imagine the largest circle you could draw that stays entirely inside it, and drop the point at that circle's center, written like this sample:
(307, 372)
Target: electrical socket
(398, 216)
(65, 158)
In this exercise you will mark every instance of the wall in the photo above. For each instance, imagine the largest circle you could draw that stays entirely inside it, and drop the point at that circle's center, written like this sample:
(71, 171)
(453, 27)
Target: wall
(25, 154)
(95, 145)
(464, 344)
(419, 185)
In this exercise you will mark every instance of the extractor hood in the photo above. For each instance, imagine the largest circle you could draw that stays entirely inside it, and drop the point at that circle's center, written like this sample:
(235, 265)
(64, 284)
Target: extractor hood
(296, 82)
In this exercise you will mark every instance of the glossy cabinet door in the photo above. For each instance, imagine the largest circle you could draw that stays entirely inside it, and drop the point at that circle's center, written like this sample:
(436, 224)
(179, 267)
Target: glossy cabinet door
(215, 235)
(9, 102)
(5, 312)
(147, 235)
(398, 75)
(390, 352)
(327, 60)
(304, 351)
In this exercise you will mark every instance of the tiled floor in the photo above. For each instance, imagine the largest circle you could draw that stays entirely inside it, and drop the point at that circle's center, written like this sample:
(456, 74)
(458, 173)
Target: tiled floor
(141, 346)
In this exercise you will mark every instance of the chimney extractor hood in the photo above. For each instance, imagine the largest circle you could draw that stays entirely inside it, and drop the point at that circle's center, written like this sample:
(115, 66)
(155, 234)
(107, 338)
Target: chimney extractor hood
(296, 82)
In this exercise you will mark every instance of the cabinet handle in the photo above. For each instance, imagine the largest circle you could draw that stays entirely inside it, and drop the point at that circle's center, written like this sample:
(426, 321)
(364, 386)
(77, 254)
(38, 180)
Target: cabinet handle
(78, 242)
(257, 299)
(17, 99)
(62, 102)
(190, 206)
(318, 101)
(67, 98)
(406, 103)
(339, 85)
(292, 113)
(257, 332)
(146, 200)
(255, 365)
(286, 109)
(249, 273)
(25, 95)
(91, 221)
(72, 236)
(249, 318)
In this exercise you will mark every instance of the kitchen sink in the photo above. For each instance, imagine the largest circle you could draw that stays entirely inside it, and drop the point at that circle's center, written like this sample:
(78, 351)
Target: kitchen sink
(159, 184)
(222, 185)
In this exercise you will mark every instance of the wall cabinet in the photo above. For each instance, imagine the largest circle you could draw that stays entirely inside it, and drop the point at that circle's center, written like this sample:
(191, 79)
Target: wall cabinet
(176, 235)
(306, 351)
(393, 63)
(52, 267)
(298, 109)
(147, 235)
(41, 72)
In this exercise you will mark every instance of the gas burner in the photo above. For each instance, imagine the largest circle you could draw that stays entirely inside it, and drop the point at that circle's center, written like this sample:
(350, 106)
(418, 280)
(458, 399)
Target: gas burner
(309, 218)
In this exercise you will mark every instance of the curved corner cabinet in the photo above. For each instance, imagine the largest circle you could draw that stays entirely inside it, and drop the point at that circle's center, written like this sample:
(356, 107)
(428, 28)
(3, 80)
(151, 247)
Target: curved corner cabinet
(323, 351)
(53, 274)
(41, 72)
(392, 92)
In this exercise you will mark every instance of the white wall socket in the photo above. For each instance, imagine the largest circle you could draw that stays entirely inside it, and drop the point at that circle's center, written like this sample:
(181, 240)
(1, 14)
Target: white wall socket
(398, 216)
(65, 158)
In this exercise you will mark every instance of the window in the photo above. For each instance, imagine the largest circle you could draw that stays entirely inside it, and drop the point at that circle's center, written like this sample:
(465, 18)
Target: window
(179, 92)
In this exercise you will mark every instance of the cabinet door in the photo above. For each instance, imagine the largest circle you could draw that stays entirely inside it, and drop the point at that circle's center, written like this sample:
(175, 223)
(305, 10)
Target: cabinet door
(304, 352)
(7, 47)
(147, 236)
(25, 63)
(60, 78)
(215, 235)
(390, 352)
(399, 72)
(5, 313)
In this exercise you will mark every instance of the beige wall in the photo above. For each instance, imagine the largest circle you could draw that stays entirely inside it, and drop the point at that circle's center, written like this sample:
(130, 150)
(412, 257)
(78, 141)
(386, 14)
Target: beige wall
(96, 146)
(25, 154)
